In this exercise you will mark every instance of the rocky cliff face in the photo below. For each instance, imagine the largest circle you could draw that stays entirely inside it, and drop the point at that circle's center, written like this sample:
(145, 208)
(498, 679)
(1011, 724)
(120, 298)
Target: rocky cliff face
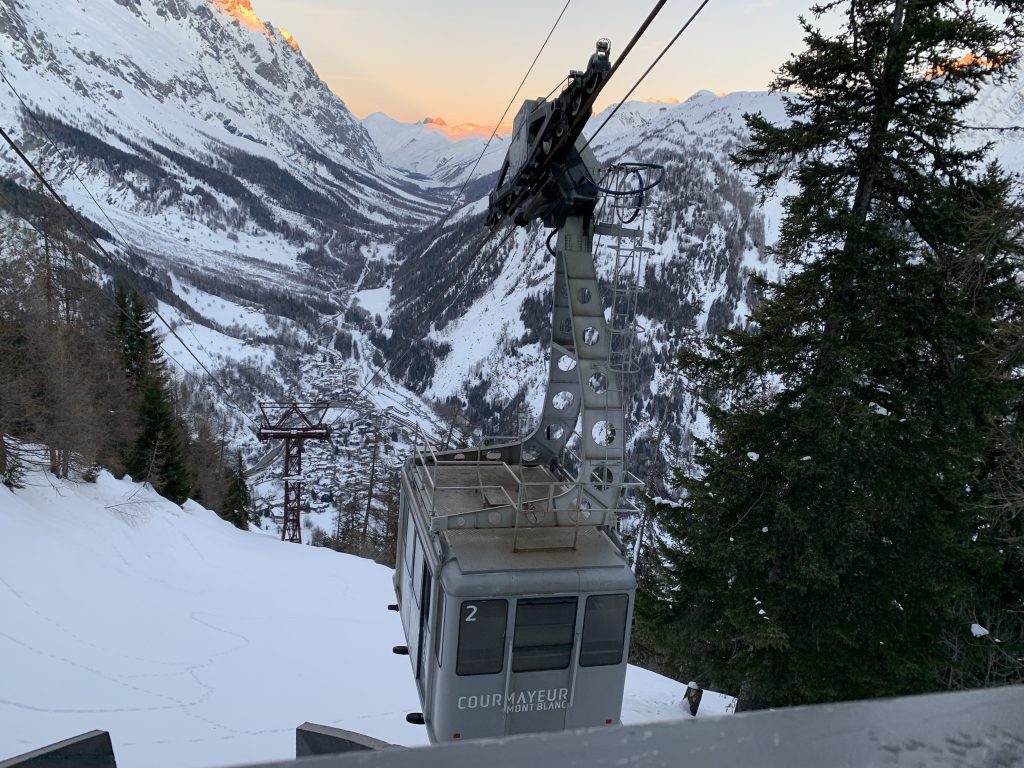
(152, 65)
(217, 162)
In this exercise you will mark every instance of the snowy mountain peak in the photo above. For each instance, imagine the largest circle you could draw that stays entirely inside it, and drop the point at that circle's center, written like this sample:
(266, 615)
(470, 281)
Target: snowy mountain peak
(432, 148)
(288, 38)
(241, 11)
(701, 94)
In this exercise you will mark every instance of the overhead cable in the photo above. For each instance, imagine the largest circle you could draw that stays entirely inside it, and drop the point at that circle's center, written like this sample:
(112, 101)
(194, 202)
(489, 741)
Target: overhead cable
(647, 71)
(494, 133)
(70, 166)
(639, 33)
(88, 232)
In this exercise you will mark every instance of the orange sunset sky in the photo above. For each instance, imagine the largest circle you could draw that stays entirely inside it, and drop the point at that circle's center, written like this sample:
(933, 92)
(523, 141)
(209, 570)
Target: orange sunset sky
(462, 60)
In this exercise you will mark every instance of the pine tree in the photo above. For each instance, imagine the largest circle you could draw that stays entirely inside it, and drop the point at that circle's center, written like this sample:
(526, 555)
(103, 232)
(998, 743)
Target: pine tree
(208, 469)
(158, 455)
(135, 336)
(158, 452)
(836, 531)
(237, 507)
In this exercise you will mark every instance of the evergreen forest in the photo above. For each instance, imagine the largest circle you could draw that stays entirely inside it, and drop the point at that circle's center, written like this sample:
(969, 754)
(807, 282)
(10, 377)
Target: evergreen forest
(853, 525)
(83, 375)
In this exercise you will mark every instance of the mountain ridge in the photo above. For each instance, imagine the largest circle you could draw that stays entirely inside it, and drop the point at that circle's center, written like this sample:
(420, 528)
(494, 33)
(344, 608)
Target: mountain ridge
(228, 169)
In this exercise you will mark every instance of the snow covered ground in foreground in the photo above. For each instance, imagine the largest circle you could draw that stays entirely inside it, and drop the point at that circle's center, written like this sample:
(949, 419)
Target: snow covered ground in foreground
(196, 644)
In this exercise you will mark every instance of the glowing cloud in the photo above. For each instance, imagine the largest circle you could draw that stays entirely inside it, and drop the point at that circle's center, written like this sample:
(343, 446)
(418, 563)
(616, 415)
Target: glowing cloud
(465, 129)
(969, 59)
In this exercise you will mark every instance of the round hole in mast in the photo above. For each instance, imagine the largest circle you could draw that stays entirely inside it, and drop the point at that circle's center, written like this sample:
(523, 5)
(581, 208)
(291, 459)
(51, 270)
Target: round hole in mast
(562, 400)
(591, 335)
(603, 433)
(566, 363)
(599, 383)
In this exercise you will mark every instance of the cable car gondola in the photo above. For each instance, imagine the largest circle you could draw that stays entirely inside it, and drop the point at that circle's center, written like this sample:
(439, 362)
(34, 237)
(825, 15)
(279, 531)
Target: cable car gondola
(513, 587)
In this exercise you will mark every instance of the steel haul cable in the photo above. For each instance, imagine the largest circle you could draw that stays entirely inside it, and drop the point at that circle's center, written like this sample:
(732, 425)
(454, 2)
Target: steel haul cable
(636, 37)
(71, 168)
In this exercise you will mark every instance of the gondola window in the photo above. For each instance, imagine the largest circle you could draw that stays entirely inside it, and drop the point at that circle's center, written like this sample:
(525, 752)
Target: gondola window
(604, 629)
(481, 637)
(544, 633)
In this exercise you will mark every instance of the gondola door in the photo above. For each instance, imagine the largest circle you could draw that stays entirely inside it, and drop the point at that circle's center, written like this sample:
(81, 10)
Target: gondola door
(423, 646)
(544, 654)
(415, 586)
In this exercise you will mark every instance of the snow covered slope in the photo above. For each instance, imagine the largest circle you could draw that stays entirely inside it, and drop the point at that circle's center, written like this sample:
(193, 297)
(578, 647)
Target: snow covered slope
(707, 236)
(204, 143)
(428, 149)
(194, 643)
(708, 233)
(227, 180)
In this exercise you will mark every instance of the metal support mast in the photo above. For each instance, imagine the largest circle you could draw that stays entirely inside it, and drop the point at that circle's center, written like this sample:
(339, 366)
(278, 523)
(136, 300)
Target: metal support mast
(294, 423)
(481, 526)
(550, 174)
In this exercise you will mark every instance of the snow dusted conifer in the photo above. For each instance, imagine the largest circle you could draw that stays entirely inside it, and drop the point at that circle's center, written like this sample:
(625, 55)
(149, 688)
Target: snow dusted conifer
(237, 506)
(873, 383)
(134, 334)
(158, 452)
